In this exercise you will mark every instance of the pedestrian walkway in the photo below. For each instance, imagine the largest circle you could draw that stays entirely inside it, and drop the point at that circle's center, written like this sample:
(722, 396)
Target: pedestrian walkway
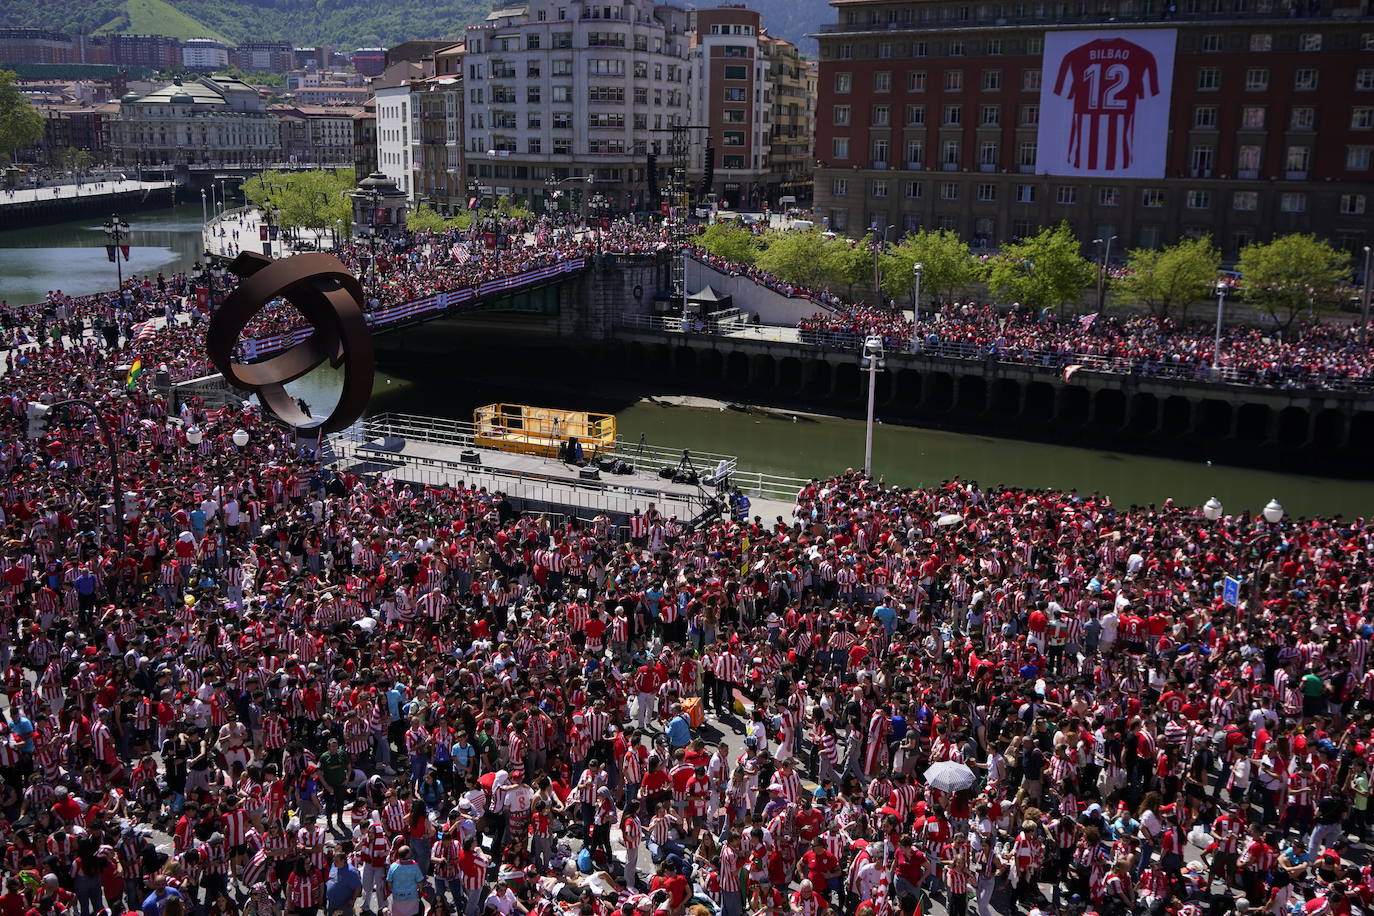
(235, 231)
(86, 189)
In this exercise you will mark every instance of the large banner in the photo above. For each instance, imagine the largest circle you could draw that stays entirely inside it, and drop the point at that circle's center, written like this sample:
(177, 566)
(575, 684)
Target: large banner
(1104, 103)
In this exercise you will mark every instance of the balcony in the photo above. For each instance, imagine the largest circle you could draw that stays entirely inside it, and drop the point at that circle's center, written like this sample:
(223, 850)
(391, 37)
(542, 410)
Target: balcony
(1248, 174)
(880, 164)
(1295, 175)
(914, 166)
(949, 166)
(987, 166)
(1108, 20)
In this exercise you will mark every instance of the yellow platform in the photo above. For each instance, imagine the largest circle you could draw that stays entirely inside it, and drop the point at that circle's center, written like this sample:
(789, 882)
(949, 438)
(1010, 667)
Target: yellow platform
(542, 430)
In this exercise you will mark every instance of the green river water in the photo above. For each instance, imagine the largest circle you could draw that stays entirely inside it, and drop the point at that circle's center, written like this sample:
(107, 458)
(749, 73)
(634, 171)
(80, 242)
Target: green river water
(71, 257)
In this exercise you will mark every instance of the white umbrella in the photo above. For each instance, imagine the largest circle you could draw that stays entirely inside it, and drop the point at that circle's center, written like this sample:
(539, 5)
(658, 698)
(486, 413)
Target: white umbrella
(951, 518)
(949, 776)
(366, 624)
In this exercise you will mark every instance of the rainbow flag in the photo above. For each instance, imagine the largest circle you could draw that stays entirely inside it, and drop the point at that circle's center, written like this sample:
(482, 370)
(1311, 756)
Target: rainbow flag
(134, 372)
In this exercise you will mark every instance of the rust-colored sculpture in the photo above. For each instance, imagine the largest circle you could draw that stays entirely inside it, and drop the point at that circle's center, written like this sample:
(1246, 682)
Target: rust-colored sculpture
(331, 299)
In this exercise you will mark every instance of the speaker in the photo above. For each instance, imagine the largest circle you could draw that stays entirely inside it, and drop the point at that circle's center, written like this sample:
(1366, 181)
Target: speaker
(667, 472)
(470, 456)
(708, 170)
(588, 473)
(606, 464)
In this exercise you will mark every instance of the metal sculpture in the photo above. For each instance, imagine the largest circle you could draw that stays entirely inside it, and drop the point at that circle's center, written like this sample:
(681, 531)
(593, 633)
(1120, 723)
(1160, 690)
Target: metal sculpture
(331, 300)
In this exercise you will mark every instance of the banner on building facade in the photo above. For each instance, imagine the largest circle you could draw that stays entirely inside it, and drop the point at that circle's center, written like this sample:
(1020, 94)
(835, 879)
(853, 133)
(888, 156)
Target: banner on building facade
(1104, 103)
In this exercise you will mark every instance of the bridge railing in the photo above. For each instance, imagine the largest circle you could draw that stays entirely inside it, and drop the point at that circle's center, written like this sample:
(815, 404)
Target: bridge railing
(1057, 360)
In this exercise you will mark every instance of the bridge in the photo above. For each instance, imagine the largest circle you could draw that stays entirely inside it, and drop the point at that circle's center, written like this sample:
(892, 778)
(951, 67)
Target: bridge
(26, 207)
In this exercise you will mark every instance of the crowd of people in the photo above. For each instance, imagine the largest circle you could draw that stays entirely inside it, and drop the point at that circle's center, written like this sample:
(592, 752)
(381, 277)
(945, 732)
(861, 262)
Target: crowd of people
(273, 687)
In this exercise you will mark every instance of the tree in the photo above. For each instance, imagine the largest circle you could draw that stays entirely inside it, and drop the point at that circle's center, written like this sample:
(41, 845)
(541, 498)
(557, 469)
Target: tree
(730, 242)
(1172, 278)
(947, 266)
(426, 219)
(21, 126)
(1291, 273)
(796, 257)
(847, 262)
(1042, 271)
(315, 200)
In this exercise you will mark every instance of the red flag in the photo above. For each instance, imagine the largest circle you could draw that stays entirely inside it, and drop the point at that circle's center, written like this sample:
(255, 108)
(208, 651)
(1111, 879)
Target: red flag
(125, 250)
(262, 233)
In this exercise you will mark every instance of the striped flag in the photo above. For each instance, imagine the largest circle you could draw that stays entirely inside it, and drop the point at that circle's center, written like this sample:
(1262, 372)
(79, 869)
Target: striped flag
(460, 254)
(1071, 371)
(144, 331)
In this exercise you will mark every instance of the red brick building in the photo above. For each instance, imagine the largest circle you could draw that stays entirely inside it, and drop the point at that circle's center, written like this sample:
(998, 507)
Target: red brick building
(930, 115)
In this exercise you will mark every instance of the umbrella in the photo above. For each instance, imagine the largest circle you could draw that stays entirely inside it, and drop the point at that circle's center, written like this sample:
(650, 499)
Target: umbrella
(948, 776)
(950, 518)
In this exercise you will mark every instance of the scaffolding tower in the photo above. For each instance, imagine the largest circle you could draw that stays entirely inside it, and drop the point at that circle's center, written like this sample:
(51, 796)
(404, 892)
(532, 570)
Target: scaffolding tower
(680, 206)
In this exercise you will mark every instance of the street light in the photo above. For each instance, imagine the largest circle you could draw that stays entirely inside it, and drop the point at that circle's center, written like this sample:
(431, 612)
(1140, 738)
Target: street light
(204, 216)
(916, 269)
(878, 246)
(1273, 512)
(1104, 254)
(1216, 340)
(871, 361)
(1212, 509)
(116, 233)
(1364, 302)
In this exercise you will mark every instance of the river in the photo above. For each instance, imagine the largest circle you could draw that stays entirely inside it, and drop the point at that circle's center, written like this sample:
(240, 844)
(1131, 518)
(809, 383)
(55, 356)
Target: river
(71, 257)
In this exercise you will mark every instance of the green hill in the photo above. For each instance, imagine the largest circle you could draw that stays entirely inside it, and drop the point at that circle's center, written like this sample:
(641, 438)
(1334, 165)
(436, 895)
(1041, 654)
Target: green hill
(346, 24)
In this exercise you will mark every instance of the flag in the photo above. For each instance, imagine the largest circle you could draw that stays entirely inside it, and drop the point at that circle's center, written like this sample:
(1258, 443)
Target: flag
(125, 250)
(1086, 321)
(1069, 371)
(460, 254)
(134, 372)
(110, 253)
(144, 331)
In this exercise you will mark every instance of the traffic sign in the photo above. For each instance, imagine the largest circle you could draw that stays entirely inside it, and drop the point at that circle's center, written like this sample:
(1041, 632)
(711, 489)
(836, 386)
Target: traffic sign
(1230, 590)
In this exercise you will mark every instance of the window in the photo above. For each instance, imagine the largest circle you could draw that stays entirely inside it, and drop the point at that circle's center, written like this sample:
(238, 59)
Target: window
(987, 193)
(949, 190)
(915, 115)
(1030, 80)
(1205, 116)
(1152, 198)
(560, 68)
(605, 93)
(1305, 80)
(1261, 41)
(915, 153)
(1302, 118)
(562, 120)
(734, 93)
(954, 115)
(1310, 41)
(1209, 78)
(606, 119)
(562, 94)
(1358, 158)
(882, 81)
(603, 66)
(885, 50)
(735, 115)
(954, 80)
(1298, 158)
(951, 152)
(1293, 202)
(992, 80)
(844, 82)
(1362, 119)
(839, 187)
(1248, 158)
(562, 40)
(736, 72)
(1252, 117)
(840, 147)
(841, 115)
(920, 49)
(1025, 193)
(1026, 154)
(1211, 42)
(956, 49)
(1352, 204)
(1030, 115)
(990, 115)
(1245, 201)
(1199, 200)
(1067, 195)
(1257, 79)
(988, 153)
(535, 145)
(1364, 80)
(732, 138)
(916, 81)
(1109, 197)
(993, 47)
(532, 42)
(562, 146)
(913, 190)
(879, 188)
(880, 151)
(881, 116)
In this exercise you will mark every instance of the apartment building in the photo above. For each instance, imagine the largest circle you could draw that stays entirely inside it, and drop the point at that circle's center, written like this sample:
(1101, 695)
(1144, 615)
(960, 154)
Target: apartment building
(565, 98)
(1143, 120)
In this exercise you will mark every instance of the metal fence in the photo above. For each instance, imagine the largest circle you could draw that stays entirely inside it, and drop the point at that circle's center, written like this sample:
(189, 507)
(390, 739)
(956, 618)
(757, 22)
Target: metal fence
(1021, 356)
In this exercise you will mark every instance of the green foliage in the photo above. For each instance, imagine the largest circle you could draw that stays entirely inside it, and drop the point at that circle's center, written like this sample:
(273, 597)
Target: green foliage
(427, 219)
(1291, 273)
(1173, 277)
(947, 266)
(21, 126)
(730, 242)
(797, 257)
(1042, 271)
(848, 264)
(307, 200)
(73, 160)
(513, 208)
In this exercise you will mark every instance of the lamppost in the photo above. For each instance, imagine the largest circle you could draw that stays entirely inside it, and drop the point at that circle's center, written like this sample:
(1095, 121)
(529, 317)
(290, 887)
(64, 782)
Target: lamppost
(204, 217)
(1272, 512)
(1211, 510)
(195, 436)
(878, 246)
(871, 362)
(39, 415)
(1364, 300)
(1104, 254)
(917, 270)
(116, 231)
(1216, 340)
